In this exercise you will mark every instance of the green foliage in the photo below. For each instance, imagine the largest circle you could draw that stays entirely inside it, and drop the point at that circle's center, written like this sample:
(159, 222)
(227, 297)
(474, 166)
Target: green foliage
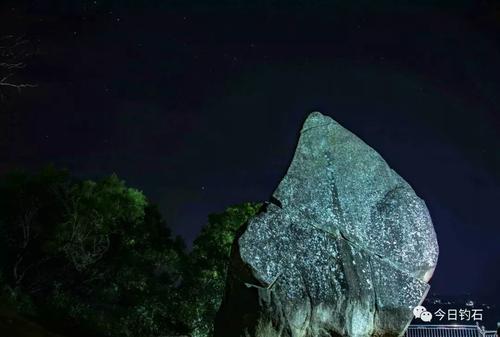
(94, 254)
(93, 213)
(16, 299)
(208, 261)
(95, 258)
(29, 213)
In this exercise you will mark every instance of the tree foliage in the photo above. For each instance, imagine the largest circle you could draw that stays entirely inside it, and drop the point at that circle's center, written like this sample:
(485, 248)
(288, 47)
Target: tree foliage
(95, 258)
(96, 254)
(208, 261)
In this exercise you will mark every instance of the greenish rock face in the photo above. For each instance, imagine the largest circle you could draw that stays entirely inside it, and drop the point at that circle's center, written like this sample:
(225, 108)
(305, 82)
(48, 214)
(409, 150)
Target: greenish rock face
(344, 248)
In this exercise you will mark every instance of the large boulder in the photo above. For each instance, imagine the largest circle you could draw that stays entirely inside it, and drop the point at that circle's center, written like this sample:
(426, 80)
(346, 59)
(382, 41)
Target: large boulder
(344, 247)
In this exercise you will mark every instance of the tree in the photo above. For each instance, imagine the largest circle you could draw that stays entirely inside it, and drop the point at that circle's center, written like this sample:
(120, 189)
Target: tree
(28, 210)
(95, 258)
(205, 277)
(94, 254)
(92, 213)
(13, 53)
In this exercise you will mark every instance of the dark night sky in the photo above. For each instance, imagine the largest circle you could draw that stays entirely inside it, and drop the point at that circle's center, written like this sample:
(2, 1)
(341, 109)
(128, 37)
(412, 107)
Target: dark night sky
(200, 105)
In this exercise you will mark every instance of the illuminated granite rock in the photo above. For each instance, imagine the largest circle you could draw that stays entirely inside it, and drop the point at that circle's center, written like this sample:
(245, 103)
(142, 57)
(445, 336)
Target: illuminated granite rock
(344, 248)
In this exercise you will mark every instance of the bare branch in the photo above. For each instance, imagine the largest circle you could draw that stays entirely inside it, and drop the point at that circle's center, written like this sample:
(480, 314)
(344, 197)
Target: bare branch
(25, 225)
(13, 53)
(10, 66)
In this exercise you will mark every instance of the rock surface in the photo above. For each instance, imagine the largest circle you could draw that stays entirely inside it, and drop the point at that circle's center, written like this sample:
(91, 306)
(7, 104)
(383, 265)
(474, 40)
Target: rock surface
(344, 248)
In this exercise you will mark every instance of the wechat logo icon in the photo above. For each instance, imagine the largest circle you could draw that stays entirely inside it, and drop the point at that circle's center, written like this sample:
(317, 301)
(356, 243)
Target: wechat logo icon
(422, 313)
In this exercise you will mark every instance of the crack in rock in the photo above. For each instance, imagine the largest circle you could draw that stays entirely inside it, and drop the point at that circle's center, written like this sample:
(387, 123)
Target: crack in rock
(344, 247)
